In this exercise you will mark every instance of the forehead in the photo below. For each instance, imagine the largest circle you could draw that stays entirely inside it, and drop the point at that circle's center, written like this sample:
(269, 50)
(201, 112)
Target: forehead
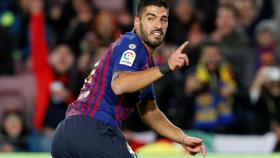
(226, 11)
(210, 50)
(158, 11)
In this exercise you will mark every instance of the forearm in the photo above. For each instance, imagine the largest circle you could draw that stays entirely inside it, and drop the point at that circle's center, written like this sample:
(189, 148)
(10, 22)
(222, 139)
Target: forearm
(160, 124)
(122, 81)
(38, 44)
(255, 90)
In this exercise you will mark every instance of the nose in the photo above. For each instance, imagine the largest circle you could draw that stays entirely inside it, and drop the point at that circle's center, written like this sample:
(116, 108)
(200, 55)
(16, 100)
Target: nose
(158, 24)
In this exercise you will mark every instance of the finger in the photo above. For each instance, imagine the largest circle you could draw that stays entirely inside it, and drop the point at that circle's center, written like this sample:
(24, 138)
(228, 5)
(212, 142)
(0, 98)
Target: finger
(180, 60)
(182, 47)
(203, 150)
(185, 58)
(179, 65)
(194, 150)
(192, 141)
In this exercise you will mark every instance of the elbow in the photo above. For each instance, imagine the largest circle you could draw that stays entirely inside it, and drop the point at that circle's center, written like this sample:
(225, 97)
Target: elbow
(116, 88)
(121, 88)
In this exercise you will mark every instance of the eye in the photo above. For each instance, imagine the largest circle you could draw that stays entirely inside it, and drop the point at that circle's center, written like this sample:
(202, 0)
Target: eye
(164, 19)
(151, 19)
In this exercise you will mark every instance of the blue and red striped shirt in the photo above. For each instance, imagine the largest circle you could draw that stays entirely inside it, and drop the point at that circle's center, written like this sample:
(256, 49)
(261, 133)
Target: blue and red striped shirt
(97, 99)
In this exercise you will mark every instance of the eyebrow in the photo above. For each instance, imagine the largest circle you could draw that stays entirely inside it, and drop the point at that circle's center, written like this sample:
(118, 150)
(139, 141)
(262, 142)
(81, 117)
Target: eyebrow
(154, 15)
(151, 14)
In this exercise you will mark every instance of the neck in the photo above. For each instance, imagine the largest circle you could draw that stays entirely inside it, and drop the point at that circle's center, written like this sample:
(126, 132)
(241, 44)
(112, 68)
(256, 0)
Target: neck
(149, 48)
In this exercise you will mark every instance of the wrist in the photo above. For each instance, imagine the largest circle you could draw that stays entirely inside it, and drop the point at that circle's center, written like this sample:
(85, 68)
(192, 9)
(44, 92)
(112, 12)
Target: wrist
(180, 136)
(164, 68)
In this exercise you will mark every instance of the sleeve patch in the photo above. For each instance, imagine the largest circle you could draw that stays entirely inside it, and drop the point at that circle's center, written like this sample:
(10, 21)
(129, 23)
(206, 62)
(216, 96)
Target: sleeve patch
(128, 58)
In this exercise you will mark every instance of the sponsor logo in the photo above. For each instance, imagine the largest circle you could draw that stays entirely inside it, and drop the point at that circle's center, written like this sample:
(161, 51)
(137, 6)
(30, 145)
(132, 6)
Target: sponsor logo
(128, 58)
(132, 46)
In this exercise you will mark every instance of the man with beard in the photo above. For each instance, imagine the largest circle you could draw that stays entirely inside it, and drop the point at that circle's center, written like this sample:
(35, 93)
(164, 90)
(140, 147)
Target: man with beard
(122, 79)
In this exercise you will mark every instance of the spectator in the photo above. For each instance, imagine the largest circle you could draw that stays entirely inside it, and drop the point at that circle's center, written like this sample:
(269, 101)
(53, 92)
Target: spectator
(211, 87)
(206, 11)
(61, 61)
(59, 14)
(180, 22)
(265, 97)
(104, 31)
(227, 32)
(234, 44)
(248, 13)
(13, 132)
(54, 86)
(267, 53)
(80, 25)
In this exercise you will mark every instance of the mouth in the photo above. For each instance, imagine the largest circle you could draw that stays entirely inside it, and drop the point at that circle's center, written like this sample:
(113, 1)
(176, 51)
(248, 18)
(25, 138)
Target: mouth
(157, 34)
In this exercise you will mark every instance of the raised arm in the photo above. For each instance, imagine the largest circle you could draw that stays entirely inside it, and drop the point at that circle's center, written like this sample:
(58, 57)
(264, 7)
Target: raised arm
(153, 117)
(39, 59)
(121, 81)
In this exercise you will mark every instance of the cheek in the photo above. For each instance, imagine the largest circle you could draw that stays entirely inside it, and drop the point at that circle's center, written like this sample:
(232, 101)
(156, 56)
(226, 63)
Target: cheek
(165, 26)
(145, 29)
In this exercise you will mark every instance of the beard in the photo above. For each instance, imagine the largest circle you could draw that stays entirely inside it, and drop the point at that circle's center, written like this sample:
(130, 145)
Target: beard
(144, 35)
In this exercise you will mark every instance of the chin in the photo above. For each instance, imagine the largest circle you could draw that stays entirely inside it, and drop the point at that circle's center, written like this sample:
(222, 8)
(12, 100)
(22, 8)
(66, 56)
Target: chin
(156, 42)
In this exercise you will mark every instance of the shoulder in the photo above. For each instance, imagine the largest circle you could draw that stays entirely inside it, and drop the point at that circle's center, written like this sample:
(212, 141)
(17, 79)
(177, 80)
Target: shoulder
(130, 41)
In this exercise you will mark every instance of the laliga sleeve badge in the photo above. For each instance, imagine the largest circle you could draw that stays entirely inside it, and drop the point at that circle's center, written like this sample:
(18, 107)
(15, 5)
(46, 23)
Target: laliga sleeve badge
(128, 58)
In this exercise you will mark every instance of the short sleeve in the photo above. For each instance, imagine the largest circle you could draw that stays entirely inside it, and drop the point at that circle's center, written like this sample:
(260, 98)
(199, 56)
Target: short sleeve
(147, 94)
(128, 55)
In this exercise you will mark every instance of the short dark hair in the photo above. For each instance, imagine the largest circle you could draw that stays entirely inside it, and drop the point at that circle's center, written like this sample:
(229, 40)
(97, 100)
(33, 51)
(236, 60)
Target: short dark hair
(144, 3)
(230, 8)
(210, 43)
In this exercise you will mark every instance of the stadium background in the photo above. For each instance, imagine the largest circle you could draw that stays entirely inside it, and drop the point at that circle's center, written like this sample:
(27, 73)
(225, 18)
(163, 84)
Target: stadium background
(47, 48)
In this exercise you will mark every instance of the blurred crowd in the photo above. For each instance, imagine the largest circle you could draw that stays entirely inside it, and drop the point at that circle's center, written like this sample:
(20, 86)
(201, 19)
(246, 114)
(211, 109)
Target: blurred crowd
(48, 48)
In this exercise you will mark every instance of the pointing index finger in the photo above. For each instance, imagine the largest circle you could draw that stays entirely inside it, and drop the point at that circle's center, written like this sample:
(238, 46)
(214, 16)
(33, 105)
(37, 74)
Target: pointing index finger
(182, 47)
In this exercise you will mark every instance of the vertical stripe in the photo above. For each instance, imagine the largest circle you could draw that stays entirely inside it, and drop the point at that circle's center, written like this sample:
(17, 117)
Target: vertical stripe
(126, 113)
(121, 116)
(94, 86)
(118, 107)
(83, 106)
(103, 84)
(96, 92)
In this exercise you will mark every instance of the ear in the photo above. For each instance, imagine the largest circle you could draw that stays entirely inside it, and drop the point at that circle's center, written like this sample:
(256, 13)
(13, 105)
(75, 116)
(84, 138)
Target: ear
(136, 22)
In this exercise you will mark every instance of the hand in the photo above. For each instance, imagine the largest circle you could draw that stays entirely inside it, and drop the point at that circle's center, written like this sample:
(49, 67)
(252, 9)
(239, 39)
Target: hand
(178, 59)
(227, 91)
(194, 145)
(192, 84)
(259, 80)
(62, 94)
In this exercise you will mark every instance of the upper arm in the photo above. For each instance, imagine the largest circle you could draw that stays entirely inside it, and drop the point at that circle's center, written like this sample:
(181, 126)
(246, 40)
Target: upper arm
(128, 55)
(147, 107)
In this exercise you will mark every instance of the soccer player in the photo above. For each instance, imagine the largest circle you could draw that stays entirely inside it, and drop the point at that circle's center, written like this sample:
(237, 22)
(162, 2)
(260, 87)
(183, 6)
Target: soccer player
(122, 80)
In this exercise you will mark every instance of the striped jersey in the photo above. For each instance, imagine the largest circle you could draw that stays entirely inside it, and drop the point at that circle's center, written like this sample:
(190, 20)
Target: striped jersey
(97, 99)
